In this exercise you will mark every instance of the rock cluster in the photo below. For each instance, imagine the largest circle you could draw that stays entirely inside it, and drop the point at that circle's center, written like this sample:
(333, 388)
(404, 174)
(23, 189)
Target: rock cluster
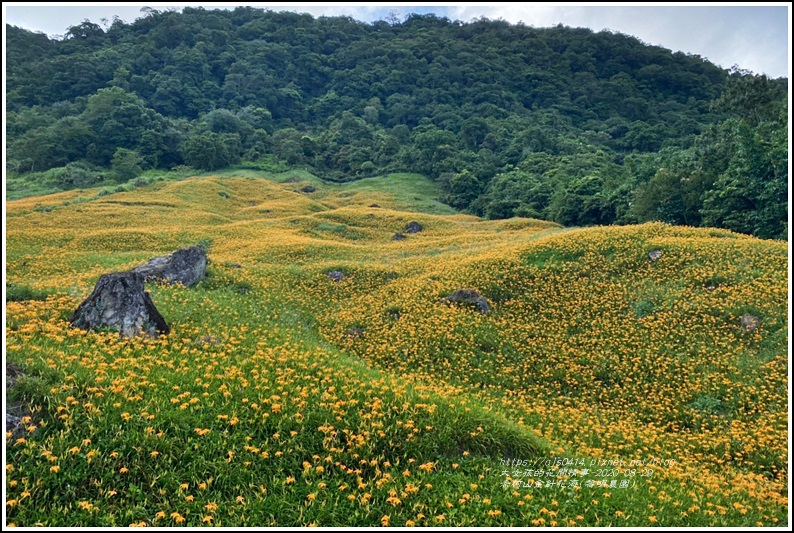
(120, 303)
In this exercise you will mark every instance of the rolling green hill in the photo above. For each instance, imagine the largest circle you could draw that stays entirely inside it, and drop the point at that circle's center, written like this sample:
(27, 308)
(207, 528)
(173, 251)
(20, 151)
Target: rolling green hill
(563, 124)
(284, 398)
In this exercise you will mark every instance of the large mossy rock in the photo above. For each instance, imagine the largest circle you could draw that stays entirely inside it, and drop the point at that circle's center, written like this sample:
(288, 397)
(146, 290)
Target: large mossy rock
(119, 302)
(187, 266)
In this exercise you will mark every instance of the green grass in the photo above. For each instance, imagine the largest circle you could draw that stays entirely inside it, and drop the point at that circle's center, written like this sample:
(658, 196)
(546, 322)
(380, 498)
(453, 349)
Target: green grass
(413, 192)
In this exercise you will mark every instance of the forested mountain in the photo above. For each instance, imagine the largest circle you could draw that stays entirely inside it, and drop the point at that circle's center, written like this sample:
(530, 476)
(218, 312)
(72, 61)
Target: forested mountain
(559, 123)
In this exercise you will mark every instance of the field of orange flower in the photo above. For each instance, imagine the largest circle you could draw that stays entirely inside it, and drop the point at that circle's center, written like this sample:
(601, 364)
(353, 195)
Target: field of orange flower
(602, 389)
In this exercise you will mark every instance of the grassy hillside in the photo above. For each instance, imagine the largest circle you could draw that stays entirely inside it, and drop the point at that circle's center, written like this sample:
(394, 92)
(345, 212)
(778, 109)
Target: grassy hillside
(284, 398)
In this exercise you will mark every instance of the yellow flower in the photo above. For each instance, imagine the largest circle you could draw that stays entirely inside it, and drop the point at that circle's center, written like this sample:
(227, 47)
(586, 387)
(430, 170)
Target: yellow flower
(207, 519)
(385, 520)
(427, 467)
(55, 469)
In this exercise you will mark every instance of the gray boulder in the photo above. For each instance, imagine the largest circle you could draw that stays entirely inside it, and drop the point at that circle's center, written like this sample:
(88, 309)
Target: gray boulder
(187, 266)
(749, 323)
(413, 227)
(471, 297)
(336, 275)
(12, 422)
(119, 302)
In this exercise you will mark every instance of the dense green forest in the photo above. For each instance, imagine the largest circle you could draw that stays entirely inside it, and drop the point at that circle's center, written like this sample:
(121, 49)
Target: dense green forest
(558, 123)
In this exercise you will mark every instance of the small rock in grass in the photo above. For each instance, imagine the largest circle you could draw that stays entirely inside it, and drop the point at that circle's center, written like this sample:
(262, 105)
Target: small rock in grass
(749, 323)
(472, 297)
(336, 275)
(413, 227)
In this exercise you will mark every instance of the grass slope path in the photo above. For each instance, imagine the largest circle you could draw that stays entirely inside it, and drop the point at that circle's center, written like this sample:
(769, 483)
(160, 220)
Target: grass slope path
(283, 398)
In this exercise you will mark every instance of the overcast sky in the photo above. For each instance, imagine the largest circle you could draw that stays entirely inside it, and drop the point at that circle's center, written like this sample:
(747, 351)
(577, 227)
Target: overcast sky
(755, 38)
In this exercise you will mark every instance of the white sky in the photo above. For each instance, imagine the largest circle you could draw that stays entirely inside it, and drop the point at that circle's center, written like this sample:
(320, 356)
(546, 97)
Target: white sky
(751, 36)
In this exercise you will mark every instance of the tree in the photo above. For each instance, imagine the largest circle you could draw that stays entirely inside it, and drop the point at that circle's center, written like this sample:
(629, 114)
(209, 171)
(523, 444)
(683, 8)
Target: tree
(754, 98)
(126, 164)
(464, 188)
(211, 151)
(517, 193)
(751, 196)
(580, 203)
(473, 132)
